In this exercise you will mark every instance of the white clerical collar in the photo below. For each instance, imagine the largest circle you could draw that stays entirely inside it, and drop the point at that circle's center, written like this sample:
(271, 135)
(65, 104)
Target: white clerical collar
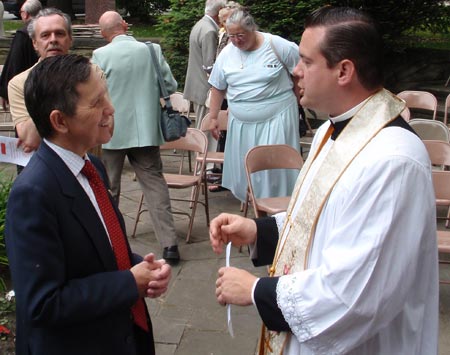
(349, 114)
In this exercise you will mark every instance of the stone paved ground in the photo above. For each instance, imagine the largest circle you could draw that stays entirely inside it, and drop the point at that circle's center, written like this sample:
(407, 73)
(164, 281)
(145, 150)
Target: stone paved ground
(188, 320)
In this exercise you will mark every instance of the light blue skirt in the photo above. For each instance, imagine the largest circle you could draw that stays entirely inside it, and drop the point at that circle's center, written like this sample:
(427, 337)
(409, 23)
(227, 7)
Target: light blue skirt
(251, 124)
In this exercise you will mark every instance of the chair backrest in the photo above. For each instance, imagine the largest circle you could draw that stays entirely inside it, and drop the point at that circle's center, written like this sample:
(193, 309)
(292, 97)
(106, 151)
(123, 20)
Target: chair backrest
(195, 141)
(274, 156)
(439, 152)
(420, 100)
(180, 104)
(267, 157)
(441, 184)
(208, 124)
(430, 129)
(446, 108)
(406, 114)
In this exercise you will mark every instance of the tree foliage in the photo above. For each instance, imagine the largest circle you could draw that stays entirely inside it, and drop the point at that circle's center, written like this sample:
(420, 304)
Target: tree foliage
(176, 26)
(144, 10)
(64, 5)
(286, 18)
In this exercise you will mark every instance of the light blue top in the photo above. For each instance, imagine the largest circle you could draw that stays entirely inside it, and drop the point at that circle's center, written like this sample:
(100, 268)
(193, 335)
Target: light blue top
(262, 110)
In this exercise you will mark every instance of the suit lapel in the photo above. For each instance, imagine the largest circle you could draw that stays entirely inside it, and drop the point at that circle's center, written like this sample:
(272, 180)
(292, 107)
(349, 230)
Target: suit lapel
(82, 208)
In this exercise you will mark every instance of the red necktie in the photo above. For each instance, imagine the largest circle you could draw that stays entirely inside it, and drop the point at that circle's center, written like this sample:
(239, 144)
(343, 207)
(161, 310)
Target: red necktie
(115, 233)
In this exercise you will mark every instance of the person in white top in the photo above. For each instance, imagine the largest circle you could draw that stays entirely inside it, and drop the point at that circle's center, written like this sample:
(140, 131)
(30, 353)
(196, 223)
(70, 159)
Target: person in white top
(354, 258)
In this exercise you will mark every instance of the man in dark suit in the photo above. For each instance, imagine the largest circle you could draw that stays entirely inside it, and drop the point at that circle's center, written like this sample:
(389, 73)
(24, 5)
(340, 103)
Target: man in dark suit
(72, 294)
(22, 54)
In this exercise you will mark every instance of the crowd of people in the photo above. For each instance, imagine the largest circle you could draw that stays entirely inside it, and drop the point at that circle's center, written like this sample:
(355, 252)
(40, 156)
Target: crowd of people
(345, 258)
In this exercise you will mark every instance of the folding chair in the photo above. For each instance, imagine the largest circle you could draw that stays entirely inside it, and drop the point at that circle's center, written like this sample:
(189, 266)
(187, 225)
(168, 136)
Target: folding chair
(195, 142)
(443, 248)
(266, 157)
(446, 109)
(430, 129)
(183, 106)
(441, 183)
(439, 152)
(207, 126)
(423, 100)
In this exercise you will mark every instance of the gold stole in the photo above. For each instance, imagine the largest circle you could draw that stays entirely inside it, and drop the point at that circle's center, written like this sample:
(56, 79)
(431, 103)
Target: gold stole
(291, 255)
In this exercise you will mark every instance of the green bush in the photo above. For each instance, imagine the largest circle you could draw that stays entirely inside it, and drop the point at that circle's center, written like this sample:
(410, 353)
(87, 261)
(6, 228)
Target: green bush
(286, 18)
(144, 10)
(176, 26)
(5, 187)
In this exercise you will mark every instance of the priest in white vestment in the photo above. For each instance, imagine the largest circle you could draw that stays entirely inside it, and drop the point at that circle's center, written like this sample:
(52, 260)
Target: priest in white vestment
(354, 258)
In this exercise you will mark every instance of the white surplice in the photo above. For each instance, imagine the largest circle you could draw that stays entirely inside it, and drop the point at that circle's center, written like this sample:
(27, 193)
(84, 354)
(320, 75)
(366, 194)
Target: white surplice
(371, 284)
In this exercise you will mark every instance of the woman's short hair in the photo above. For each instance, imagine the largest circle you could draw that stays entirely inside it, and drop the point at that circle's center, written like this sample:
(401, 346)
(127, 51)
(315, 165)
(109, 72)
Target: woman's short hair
(351, 34)
(242, 18)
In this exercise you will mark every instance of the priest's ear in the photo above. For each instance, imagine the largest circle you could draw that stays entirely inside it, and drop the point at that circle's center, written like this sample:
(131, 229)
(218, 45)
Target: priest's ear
(59, 123)
(346, 72)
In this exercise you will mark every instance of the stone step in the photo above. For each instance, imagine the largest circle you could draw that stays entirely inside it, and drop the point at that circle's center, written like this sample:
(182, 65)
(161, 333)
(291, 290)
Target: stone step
(437, 88)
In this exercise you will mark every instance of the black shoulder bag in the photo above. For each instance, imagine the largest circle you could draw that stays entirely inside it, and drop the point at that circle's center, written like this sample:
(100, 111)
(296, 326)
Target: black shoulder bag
(173, 124)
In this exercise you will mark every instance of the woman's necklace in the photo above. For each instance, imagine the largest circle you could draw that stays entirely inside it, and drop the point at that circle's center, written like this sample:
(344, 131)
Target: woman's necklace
(256, 44)
(243, 59)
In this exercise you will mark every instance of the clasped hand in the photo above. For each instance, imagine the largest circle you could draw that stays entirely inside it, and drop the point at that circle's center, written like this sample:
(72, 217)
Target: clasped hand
(152, 276)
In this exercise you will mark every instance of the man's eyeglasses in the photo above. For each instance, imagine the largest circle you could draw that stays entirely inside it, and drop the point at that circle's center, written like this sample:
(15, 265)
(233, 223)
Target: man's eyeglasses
(238, 36)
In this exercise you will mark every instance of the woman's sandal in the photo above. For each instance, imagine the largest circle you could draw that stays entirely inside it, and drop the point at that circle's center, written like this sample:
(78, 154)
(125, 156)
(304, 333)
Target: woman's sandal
(216, 188)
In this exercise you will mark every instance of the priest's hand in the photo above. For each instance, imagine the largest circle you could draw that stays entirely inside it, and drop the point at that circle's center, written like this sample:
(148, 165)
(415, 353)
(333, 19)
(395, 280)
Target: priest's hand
(231, 228)
(234, 286)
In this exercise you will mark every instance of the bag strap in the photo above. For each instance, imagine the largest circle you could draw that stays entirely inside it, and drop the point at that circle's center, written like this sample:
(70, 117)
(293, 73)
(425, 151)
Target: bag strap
(277, 55)
(293, 79)
(162, 86)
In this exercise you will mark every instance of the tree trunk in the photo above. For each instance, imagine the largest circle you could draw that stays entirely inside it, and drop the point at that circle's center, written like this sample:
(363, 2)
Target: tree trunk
(63, 5)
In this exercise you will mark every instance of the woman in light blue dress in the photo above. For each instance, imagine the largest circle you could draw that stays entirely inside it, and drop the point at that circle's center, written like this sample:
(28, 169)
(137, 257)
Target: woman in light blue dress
(254, 71)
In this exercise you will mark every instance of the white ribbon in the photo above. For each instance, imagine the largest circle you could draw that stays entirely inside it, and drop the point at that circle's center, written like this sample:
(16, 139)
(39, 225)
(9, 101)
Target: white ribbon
(227, 264)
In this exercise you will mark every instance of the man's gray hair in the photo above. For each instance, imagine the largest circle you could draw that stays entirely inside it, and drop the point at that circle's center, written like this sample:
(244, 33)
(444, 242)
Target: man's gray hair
(49, 11)
(212, 7)
(32, 7)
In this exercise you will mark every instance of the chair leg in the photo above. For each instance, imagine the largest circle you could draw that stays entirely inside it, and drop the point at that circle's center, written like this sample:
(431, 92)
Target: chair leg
(447, 223)
(203, 183)
(138, 214)
(205, 186)
(192, 216)
(244, 205)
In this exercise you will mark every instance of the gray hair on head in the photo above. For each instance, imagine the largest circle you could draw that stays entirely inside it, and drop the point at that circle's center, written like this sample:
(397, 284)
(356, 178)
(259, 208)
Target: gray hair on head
(212, 7)
(49, 11)
(32, 7)
(242, 18)
(228, 9)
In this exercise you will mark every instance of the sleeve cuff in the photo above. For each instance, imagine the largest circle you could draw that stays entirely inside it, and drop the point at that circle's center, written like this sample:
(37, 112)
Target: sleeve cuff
(265, 299)
(267, 240)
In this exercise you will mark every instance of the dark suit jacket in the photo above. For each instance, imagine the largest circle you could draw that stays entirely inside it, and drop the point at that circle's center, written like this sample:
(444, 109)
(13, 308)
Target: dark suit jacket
(70, 296)
(21, 56)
